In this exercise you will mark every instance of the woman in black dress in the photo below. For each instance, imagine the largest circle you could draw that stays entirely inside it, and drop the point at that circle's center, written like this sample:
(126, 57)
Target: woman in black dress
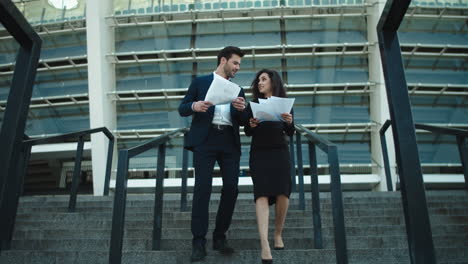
(269, 161)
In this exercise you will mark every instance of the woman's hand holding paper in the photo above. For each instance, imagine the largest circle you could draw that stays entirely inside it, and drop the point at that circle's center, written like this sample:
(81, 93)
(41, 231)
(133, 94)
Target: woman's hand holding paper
(287, 117)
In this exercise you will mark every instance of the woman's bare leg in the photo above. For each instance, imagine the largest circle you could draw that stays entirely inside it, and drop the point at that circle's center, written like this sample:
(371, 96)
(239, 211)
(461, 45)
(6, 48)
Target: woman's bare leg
(281, 209)
(262, 209)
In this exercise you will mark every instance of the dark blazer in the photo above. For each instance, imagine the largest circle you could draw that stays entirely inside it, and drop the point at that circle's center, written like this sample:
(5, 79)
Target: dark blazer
(201, 121)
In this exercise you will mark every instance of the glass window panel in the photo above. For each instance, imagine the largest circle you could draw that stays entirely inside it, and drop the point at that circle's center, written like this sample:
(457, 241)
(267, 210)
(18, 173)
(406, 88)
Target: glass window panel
(348, 153)
(435, 148)
(59, 88)
(330, 109)
(154, 76)
(248, 39)
(220, 28)
(155, 37)
(325, 30)
(438, 38)
(436, 76)
(5, 84)
(433, 31)
(440, 109)
(148, 159)
(8, 51)
(326, 69)
(150, 115)
(57, 120)
(62, 75)
(61, 52)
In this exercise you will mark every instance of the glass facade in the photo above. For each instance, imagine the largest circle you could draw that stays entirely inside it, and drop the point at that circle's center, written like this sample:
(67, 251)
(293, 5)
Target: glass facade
(320, 47)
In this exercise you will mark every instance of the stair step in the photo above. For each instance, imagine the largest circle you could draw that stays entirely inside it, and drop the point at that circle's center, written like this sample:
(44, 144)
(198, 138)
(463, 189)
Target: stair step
(309, 256)
(375, 230)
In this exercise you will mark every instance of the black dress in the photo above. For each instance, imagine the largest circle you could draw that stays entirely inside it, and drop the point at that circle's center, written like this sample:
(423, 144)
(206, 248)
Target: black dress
(269, 159)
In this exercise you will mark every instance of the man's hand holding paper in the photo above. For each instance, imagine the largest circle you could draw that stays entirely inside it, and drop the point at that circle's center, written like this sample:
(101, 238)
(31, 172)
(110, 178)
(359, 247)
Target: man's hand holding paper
(222, 91)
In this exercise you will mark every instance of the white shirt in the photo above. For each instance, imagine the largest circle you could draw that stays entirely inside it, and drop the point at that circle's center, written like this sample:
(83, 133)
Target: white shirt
(222, 113)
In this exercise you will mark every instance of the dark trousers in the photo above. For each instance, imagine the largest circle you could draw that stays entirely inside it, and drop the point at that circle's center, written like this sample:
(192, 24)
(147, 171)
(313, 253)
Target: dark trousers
(219, 147)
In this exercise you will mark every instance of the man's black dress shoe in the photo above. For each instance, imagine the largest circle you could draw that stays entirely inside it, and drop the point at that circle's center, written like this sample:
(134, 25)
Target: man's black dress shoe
(267, 261)
(222, 246)
(198, 252)
(278, 248)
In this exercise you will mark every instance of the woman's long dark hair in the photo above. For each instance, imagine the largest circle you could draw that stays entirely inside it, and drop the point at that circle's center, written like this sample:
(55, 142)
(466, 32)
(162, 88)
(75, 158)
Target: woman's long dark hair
(276, 85)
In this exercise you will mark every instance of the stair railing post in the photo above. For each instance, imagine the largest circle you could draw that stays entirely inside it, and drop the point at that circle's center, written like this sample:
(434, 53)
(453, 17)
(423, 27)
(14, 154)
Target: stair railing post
(463, 149)
(11, 196)
(76, 175)
(315, 197)
(383, 143)
(110, 154)
(183, 191)
(300, 171)
(293, 164)
(337, 206)
(159, 193)
(118, 213)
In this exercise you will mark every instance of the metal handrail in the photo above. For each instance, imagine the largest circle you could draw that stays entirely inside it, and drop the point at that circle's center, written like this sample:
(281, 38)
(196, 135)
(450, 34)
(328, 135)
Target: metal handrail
(12, 193)
(118, 214)
(335, 186)
(79, 156)
(462, 144)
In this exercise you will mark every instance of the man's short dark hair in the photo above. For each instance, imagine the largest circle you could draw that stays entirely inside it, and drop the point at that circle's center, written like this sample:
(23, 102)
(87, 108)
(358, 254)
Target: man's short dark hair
(228, 51)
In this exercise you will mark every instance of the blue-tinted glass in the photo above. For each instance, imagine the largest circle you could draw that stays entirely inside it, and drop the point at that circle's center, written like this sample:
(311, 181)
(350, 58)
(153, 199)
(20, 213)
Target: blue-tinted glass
(440, 109)
(441, 76)
(154, 76)
(57, 120)
(325, 30)
(71, 44)
(325, 69)
(148, 159)
(348, 153)
(157, 37)
(8, 51)
(437, 149)
(150, 115)
(67, 82)
(248, 39)
(328, 109)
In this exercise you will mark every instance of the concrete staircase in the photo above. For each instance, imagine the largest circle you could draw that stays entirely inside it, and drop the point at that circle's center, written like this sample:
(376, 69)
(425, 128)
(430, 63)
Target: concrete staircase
(46, 233)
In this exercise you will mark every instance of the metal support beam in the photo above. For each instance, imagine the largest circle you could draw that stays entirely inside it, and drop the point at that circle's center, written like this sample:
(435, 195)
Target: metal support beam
(420, 243)
(183, 192)
(300, 171)
(318, 243)
(118, 213)
(463, 149)
(76, 175)
(17, 108)
(158, 201)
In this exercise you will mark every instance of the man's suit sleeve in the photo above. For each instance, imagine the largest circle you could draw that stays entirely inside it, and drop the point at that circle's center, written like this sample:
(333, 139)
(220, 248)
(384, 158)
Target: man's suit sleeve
(185, 107)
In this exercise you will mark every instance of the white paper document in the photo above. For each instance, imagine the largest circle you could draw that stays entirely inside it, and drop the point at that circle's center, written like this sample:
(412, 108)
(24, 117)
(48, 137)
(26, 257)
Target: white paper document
(271, 109)
(222, 91)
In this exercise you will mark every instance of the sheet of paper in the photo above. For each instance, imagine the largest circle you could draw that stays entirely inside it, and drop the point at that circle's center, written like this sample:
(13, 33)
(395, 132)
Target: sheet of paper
(282, 105)
(222, 91)
(271, 109)
(263, 112)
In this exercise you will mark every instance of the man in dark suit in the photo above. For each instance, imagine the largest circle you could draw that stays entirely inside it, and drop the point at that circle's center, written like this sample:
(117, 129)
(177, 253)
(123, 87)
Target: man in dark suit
(214, 136)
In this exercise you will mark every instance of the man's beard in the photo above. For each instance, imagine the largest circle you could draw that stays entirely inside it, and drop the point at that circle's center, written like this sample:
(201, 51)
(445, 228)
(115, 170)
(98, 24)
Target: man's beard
(229, 73)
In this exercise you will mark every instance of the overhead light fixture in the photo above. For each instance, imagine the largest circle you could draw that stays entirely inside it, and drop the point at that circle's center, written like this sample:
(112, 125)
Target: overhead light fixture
(61, 4)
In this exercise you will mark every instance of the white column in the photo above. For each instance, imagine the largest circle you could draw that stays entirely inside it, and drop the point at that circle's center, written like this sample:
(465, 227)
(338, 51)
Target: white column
(378, 100)
(101, 81)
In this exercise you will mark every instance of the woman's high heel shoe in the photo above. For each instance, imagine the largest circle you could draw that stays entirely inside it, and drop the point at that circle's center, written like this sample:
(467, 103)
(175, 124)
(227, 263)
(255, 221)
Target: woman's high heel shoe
(267, 261)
